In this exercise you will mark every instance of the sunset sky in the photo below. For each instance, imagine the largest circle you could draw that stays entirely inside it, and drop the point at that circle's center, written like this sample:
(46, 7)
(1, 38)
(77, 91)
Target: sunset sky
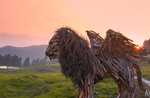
(33, 22)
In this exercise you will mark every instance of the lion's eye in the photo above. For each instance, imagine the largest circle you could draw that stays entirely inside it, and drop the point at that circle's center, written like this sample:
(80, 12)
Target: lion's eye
(54, 44)
(50, 43)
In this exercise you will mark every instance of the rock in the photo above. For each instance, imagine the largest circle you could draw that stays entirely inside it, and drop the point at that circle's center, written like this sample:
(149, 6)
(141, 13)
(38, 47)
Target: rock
(3, 71)
(41, 70)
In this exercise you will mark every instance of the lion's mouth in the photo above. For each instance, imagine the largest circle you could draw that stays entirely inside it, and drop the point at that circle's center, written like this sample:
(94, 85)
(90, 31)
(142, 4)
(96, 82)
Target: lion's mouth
(50, 55)
(53, 55)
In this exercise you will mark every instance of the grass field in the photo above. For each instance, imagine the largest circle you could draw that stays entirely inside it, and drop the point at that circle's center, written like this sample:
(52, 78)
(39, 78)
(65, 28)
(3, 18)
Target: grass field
(146, 71)
(23, 83)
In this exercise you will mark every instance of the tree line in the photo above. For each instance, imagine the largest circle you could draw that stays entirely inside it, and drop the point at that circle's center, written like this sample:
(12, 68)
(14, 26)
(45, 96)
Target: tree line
(146, 44)
(9, 60)
(16, 61)
(35, 62)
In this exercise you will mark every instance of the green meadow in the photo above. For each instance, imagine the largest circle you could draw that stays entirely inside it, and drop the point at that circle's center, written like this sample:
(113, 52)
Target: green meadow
(146, 71)
(25, 83)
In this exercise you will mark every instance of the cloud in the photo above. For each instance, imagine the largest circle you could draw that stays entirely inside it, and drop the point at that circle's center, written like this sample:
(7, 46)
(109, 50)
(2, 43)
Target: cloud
(21, 40)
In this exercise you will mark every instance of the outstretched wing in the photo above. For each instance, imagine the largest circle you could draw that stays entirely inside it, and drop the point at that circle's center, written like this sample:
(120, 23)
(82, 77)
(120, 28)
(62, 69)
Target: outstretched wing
(96, 41)
(116, 44)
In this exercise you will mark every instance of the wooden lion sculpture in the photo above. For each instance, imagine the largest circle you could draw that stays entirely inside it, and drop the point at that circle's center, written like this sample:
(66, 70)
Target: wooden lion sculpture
(86, 65)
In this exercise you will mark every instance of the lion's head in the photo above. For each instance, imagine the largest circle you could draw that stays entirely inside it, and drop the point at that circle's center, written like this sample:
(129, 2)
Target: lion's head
(65, 41)
(53, 49)
(74, 54)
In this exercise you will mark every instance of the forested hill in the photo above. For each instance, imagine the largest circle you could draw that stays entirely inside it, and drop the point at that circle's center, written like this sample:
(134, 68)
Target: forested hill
(33, 52)
(146, 44)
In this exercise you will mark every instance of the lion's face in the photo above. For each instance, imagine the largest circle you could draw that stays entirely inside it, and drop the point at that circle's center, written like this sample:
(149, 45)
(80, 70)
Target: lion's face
(53, 49)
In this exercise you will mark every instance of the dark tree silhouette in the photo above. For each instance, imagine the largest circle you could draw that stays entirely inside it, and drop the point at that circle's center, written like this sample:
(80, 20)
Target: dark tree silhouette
(32, 63)
(9, 60)
(26, 63)
(16, 61)
(43, 61)
(36, 62)
(146, 44)
(0, 59)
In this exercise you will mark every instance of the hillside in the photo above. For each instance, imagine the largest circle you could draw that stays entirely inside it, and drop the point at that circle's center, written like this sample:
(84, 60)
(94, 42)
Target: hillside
(33, 52)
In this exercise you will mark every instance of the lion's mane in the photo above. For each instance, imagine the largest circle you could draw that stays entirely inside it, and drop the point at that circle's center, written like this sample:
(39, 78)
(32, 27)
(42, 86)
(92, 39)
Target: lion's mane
(76, 57)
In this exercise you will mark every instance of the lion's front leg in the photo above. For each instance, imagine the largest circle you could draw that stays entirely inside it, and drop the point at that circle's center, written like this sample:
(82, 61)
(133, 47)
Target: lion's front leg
(87, 91)
(80, 93)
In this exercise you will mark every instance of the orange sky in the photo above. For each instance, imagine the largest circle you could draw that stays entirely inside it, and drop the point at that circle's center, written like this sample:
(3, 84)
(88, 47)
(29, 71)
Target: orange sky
(38, 19)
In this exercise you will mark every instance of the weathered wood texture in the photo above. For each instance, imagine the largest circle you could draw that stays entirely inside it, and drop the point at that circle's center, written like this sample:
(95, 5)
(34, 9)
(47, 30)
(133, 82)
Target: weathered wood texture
(111, 57)
(118, 51)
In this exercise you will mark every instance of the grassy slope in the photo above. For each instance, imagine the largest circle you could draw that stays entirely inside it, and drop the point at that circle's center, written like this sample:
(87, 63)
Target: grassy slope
(22, 83)
(146, 74)
(146, 71)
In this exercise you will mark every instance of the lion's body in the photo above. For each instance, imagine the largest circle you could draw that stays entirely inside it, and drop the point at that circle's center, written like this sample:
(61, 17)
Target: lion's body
(79, 63)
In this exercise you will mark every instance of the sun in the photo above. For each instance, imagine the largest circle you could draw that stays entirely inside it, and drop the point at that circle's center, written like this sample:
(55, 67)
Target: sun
(137, 47)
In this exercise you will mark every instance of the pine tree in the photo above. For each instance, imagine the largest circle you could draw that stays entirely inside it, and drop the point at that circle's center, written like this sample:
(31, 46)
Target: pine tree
(0, 59)
(26, 63)
(33, 63)
(16, 61)
(9, 60)
(44, 60)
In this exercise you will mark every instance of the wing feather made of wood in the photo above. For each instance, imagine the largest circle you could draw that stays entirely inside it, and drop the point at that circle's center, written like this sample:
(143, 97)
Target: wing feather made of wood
(96, 41)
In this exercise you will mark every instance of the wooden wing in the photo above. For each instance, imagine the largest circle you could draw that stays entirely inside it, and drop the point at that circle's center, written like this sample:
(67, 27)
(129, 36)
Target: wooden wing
(116, 44)
(96, 41)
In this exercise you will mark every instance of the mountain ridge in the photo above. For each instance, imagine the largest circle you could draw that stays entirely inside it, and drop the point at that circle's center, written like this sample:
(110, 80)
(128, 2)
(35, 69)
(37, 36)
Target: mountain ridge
(33, 51)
